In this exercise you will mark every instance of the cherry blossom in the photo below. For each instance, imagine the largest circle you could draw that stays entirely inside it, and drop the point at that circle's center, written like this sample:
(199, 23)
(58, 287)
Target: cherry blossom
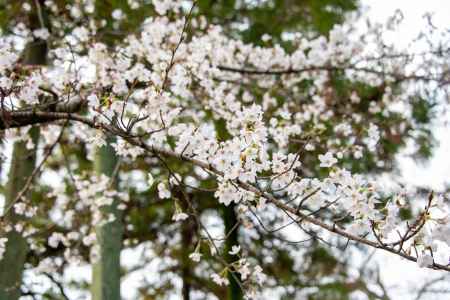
(203, 111)
(327, 160)
(219, 279)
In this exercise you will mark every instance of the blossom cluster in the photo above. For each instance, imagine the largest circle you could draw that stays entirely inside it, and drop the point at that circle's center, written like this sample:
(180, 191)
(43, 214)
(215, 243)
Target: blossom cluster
(260, 119)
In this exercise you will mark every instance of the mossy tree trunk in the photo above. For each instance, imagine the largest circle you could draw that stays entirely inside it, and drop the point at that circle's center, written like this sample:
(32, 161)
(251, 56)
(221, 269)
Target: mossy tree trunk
(187, 232)
(22, 165)
(106, 271)
(11, 266)
(234, 291)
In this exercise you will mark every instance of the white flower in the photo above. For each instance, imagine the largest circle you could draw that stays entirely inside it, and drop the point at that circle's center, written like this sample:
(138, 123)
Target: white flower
(97, 140)
(244, 269)
(195, 256)
(219, 279)
(18, 227)
(424, 260)
(81, 33)
(180, 216)
(250, 293)
(123, 148)
(89, 239)
(265, 37)
(73, 235)
(75, 12)
(373, 138)
(260, 277)
(92, 100)
(235, 250)
(41, 33)
(358, 227)
(309, 147)
(163, 192)
(117, 14)
(26, 6)
(7, 57)
(354, 98)
(227, 193)
(358, 153)
(133, 4)
(89, 7)
(19, 208)
(5, 83)
(2, 246)
(54, 239)
(162, 6)
(327, 160)
(373, 131)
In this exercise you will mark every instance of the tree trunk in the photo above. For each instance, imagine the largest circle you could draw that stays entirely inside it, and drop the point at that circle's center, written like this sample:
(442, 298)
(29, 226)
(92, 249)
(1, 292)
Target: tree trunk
(106, 271)
(234, 291)
(187, 234)
(22, 165)
(11, 266)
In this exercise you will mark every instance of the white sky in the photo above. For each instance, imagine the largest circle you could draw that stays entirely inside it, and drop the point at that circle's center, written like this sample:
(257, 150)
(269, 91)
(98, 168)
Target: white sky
(399, 275)
(436, 172)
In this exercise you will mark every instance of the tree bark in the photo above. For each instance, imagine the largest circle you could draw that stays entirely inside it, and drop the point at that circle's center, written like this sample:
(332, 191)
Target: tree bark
(234, 291)
(11, 266)
(22, 165)
(187, 230)
(106, 271)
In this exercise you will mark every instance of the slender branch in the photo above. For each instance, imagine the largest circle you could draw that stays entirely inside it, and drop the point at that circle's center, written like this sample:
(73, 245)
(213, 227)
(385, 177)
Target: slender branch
(34, 173)
(290, 71)
(334, 228)
(58, 284)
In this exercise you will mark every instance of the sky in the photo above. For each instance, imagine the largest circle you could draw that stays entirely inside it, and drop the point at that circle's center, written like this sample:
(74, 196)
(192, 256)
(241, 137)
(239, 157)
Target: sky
(401, 276)
(435, 173)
